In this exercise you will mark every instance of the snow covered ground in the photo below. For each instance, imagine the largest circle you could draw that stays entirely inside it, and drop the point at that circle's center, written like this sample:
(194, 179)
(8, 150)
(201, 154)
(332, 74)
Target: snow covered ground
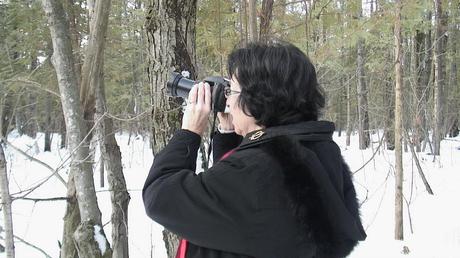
(434, 219)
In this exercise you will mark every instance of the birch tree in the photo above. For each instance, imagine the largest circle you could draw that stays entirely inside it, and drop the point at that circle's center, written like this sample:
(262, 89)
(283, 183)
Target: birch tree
(6, 205)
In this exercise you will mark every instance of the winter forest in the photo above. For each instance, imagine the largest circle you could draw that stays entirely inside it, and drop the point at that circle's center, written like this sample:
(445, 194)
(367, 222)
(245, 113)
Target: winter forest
(84, 109)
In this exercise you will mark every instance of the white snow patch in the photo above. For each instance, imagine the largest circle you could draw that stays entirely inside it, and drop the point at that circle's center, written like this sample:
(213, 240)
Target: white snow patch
(100, 239)
(435, 223)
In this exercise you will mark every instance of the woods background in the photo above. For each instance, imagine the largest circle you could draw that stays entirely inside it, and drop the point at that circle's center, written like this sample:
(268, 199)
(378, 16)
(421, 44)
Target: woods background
(87, 70)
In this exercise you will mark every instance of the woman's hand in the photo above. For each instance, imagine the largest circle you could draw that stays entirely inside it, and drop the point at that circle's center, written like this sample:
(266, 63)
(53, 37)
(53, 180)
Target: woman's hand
(198, 109)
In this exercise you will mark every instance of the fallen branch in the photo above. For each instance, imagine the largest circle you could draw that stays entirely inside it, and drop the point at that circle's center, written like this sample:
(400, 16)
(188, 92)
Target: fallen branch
(417, 163)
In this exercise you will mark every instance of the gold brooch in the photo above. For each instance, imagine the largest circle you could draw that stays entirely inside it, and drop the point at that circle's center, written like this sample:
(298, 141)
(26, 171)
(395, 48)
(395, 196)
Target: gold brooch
(256, 135)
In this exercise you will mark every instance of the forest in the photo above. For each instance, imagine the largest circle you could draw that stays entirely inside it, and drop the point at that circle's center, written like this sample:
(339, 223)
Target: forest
(79, 74)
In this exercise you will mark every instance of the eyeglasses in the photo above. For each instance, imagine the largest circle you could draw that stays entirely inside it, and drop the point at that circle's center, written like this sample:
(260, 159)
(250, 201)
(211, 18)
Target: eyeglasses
(228, 92)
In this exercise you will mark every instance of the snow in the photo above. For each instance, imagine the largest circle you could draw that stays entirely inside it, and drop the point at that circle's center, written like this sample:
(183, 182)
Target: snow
(434, 218)
(100, 239)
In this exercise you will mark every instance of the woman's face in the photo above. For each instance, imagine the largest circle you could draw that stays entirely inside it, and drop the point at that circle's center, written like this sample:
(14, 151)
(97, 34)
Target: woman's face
(242, 123)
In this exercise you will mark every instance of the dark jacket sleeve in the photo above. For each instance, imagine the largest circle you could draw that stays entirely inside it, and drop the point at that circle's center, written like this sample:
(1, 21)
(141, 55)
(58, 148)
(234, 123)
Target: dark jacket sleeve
(193, 206)
(223, 143)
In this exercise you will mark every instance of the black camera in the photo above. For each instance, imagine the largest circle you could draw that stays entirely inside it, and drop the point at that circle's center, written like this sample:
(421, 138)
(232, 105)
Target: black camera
(179, 86)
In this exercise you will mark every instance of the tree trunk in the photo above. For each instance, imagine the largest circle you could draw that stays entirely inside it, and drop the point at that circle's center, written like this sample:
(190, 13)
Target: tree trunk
(453, 102)
(399, 233)
(111, 156)
(75, 37)
(426, 78)
(265, 20)
(439, 75)
(6, 206)
(388, 100)
(252, 20)
(48, 122)
(419, 89)
(349, 129)
(62, 132)
(170, 27)
(363, 116)
(81, 174)
(244, 21)
(6, 112)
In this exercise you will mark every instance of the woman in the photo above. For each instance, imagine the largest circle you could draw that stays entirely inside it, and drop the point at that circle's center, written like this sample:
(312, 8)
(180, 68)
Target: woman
(284, 191)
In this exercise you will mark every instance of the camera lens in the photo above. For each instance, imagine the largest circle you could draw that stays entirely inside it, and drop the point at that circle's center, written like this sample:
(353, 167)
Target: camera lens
(179, 86)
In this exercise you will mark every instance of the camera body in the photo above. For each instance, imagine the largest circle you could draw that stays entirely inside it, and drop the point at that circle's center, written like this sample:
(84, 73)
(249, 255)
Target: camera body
(179, 86)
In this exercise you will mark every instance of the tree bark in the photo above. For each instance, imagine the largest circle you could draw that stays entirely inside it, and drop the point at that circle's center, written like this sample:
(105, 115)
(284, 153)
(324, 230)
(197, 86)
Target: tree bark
(265, 20)
(439, 75)
(6, 206)
(426, 78)
(48, 122)
(388, 100)
(81, 175)
(399, 233)
(252, 20)
(170, 27)
(363, 116)
(111, 156)
(453, 102)
(419, 89)
(349, 129)
(244, 21)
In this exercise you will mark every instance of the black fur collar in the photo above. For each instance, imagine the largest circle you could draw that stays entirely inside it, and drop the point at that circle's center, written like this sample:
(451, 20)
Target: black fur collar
(315, 202)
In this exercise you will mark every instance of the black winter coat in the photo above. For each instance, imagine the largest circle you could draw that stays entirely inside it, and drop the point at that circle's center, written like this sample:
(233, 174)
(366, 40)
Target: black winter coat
(284, 193)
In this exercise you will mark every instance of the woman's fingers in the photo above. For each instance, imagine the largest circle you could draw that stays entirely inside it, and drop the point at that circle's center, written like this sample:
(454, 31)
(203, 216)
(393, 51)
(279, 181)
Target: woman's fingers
(197, 112)
(200, 97)
(192, 96)
(207, 95)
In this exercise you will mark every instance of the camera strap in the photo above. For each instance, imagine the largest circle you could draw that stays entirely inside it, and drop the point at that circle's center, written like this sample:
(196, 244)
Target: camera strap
(211, 136)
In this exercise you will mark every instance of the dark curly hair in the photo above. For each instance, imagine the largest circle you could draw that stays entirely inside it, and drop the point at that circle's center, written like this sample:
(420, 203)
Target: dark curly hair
(278, 83)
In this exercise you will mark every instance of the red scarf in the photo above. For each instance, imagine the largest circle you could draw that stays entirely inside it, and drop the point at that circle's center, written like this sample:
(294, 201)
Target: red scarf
(182, 249)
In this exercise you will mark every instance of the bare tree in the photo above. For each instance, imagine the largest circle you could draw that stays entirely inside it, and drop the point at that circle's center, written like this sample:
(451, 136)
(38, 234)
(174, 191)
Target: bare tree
(439, 75)
(244, 21)
(111, 155)
(265, 19)
(93, 87)
(419, 89)
(252, 20)
(363, 115)
(399, 233)
(170, 27)
(6, 205)
(80, 189)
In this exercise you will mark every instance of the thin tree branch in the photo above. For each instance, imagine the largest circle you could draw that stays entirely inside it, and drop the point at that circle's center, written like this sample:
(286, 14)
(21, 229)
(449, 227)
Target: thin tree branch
(32, 83)
(54, 171)
(373, 155)
(42, 199)
(33, 246)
